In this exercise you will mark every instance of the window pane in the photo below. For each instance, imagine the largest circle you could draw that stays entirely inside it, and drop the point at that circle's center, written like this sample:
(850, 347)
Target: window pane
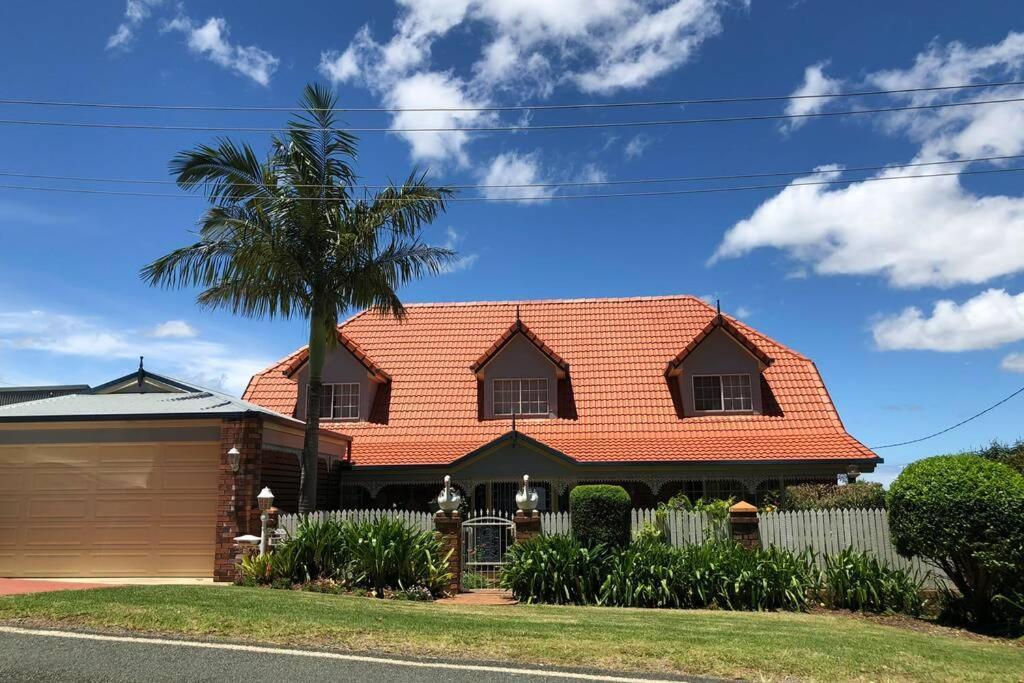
(346, 401)
(736, 392)
(707, 392)
(326, 394)
(521, 396)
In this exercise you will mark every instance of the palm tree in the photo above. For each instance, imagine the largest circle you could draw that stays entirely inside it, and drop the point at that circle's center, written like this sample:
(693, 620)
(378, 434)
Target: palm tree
(287, 236)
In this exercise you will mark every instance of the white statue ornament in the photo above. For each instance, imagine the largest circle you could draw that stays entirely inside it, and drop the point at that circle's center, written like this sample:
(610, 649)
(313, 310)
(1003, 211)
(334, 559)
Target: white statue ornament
(527, 498)
(448, 500)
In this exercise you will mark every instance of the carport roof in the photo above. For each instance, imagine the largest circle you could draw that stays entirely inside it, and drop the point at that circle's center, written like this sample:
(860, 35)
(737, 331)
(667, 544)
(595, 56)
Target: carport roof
(187, 405)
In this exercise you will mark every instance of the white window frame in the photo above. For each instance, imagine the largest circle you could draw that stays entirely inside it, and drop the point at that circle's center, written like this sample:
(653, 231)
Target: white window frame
(721, 392)
(331, 386)
(518, 402)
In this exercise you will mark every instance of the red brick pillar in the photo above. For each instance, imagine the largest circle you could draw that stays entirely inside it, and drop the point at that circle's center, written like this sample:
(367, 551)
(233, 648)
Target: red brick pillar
(236, 493)
(527, 525)
(449, 527)
(744, 525)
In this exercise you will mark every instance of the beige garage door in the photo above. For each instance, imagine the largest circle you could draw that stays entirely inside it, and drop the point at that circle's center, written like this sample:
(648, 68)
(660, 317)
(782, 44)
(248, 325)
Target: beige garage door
(108, 509)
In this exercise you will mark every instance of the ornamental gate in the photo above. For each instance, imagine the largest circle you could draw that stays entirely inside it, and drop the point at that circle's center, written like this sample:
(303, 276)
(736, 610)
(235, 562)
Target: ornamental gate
(485, 540)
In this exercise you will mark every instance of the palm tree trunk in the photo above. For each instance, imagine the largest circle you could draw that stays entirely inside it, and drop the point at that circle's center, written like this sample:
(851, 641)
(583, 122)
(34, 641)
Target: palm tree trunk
(311, 444)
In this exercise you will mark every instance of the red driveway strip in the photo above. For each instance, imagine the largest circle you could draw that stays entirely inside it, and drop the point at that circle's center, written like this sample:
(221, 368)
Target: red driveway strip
(22, 586)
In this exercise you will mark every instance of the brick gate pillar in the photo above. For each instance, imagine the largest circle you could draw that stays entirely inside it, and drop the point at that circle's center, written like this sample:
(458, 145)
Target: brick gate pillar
(449, 528)
(236, 493)
(527, 525)
(744, 525)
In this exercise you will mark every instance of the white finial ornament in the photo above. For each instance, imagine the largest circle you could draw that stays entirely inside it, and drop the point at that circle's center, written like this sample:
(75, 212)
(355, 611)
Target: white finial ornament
(449, 500)
(527, 498)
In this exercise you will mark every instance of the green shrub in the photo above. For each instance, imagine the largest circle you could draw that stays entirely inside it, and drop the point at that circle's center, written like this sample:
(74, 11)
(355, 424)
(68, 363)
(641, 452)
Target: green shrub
(716, 509)
(561, 570)
(381, 554)
(317, 550)
(966, 515)
(859, 495)
(388, 553)
(555, 569)
(256, 570)
(600, 514)
(858, 581)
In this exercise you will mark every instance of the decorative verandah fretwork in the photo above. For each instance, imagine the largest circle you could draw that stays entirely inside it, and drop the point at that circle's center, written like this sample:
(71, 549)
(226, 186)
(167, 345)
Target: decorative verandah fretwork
(417, 492)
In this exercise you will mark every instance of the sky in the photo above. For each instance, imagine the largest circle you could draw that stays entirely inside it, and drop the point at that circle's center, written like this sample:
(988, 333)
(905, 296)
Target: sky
(907, 293)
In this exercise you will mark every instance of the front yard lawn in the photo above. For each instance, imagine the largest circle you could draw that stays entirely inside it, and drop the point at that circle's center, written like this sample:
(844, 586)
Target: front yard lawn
(769, 646)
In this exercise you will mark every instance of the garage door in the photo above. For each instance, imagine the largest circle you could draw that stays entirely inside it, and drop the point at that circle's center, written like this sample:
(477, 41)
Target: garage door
(108, 509)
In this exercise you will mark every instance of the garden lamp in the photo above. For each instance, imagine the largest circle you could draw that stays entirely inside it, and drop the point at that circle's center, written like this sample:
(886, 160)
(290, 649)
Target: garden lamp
(265, 499)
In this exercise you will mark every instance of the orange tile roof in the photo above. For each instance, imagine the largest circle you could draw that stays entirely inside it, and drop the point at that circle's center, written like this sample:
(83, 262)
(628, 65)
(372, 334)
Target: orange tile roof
(518, 327)
(618, 350)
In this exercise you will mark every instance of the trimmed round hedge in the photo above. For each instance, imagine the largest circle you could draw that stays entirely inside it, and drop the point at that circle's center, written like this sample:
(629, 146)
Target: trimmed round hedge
(965, 514)
(600, 514)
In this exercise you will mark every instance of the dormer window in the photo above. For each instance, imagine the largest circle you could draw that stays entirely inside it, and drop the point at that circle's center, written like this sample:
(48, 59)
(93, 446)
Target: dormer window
(722, 393)
(339, 401)
(526, 397)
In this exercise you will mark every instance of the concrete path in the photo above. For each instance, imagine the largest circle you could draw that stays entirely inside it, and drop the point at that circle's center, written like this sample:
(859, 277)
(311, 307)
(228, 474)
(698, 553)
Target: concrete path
(40, 655)
(490, 597)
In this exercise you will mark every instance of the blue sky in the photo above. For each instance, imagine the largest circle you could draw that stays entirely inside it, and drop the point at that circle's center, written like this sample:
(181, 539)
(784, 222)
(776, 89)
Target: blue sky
(907, 293)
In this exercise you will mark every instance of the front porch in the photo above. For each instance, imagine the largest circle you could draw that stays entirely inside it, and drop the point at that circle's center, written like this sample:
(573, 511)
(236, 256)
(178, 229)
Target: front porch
(488, 479)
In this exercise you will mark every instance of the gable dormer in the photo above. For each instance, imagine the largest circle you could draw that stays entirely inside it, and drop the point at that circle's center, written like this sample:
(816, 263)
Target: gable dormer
(718, 372)
(354, 387)
(521, 375)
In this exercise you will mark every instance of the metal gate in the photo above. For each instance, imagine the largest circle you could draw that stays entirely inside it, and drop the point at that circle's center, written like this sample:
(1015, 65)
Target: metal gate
(485, 540)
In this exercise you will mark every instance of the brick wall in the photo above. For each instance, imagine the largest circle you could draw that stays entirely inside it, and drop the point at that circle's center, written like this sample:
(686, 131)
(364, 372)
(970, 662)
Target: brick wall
(237, 509)
(449, 528)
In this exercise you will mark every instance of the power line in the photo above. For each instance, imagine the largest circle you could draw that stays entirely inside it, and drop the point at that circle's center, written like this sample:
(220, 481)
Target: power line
(949, 429)
(510, 128)
(574, 183)
(608, 195)
(520, 107)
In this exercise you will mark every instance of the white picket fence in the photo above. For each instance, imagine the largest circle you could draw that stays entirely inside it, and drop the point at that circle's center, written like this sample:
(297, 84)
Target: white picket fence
(419, 520)
(824, 532)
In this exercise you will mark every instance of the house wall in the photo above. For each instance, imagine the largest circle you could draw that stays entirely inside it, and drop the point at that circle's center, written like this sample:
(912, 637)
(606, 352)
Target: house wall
(718, 354)
(340, 366)
(519, 359)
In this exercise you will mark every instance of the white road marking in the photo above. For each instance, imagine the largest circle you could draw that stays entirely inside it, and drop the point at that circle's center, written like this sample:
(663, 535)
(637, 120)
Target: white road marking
(483, 668)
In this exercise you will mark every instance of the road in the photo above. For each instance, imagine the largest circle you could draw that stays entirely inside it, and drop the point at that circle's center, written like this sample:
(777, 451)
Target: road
(44, 655)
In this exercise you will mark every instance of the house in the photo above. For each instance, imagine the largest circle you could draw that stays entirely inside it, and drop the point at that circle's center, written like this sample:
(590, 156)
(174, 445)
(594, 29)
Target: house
(137, 477)
(9, 395)
(659, 394)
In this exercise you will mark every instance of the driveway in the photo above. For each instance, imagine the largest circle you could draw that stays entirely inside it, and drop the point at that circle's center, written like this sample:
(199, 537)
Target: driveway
(22, 586)
(40, 655)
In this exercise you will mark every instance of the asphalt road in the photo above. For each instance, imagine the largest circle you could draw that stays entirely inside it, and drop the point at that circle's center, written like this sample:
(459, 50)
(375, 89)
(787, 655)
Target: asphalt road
(36, 655)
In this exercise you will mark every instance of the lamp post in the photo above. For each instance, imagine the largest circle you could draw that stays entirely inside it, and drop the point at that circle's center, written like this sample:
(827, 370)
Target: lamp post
(265, 499)
(234, 459)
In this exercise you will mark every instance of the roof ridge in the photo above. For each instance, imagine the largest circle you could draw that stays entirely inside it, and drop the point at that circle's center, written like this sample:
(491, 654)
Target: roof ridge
(508, 302)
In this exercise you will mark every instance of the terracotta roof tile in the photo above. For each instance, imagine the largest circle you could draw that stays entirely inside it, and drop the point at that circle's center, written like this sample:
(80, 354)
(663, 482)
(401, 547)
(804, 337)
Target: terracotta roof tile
(618, 350)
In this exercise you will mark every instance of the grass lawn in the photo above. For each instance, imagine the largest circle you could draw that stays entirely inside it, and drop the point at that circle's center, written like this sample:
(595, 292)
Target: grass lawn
(730, 644)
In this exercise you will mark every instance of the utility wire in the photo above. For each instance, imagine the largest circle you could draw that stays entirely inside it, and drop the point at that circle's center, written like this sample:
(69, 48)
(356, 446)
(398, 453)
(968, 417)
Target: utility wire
(511, 128)
(521, 107)
(573, 183)
(949, 429)
(608, 195)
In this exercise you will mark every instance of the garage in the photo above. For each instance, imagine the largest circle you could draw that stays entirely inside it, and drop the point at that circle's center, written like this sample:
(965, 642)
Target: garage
(108, 509)
(143, 477)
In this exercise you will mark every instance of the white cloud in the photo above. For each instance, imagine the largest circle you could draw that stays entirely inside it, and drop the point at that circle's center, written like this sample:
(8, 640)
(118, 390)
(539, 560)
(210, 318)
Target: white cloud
(174, 329)
(135, 12)
(636, 147)
(921, 232)
(463, 261)
(597, 45)
(1014, 362)
(206, 363)
(743, 312)
(815, 83)
(986, 321)
(210, 40)
(512, 168)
